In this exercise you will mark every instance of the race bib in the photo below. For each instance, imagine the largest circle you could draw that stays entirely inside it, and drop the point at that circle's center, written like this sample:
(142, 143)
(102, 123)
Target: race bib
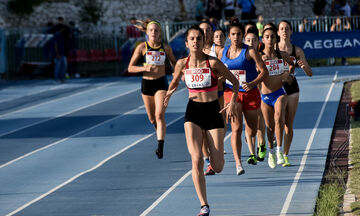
(240, 76)
(155, 57)
(198, 77)
(286, 65)
(275, 67)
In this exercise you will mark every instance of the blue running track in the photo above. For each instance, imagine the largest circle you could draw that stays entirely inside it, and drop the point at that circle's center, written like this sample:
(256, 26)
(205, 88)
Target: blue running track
(86, 147)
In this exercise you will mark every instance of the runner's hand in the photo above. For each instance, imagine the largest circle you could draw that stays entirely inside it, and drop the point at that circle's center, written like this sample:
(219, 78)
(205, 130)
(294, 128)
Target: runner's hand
(167, 96)
(247, 86)
(150, 68)
(301, 64)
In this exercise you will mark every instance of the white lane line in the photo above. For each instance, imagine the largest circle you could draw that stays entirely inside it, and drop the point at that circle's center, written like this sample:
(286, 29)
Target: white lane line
(34, 93)
(164, 195)
(290, 195)
(67, 113)
(47, 102)
(74, 135)
(87, 171)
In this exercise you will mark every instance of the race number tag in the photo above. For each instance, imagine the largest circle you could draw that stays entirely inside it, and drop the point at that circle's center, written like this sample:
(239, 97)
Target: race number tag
(198, 77)
(240, 76)
(155, 57)
(275, 67)
(286, 65)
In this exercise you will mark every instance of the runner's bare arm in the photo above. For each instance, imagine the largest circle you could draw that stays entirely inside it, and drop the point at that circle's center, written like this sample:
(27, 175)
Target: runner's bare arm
(178, 71)
(221, 70)
(261, 68)
(302, 62)
(138, 53)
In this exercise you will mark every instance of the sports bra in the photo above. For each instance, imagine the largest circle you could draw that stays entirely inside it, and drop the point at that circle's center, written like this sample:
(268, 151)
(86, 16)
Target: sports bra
(154, 56)
(200, 79)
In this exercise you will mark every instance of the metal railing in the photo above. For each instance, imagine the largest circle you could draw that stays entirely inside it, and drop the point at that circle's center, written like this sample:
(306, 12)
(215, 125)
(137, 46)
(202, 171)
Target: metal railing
(114, 36)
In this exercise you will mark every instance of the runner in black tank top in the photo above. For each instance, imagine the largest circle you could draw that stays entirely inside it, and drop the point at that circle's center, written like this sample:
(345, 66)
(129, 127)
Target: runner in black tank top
(154, 84)
(292, 88)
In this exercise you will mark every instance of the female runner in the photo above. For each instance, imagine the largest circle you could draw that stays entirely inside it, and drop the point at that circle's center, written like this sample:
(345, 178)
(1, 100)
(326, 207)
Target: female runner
(210, 48)
(202, 117)
(252, 39)
(242, 61)
(273, 95)
(292, 90)
(154, 84)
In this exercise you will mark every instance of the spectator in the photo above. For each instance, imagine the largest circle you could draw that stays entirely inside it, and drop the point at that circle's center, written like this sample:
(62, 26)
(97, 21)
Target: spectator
(214, 9)
(260, 25)
(248, 9)
(131, 30)
(229, 9)
(200, 10)
(339, 25)
(59, 53)
(345, 7)
(304, 26)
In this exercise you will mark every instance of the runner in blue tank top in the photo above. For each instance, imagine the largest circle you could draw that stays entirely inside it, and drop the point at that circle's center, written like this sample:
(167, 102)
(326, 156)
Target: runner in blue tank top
(242, 61)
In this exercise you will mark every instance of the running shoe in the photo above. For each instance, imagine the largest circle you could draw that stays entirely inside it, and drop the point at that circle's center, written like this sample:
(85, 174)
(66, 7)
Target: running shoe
(261, 152)
(209, 171)
(159, 153)
(252, 160)
(272, 161)
(287, 163)
(204, 211)
(280, 157)
(239, 170)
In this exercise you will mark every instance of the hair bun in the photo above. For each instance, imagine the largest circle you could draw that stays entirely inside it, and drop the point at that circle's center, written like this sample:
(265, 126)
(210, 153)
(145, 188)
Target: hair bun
(234, 20)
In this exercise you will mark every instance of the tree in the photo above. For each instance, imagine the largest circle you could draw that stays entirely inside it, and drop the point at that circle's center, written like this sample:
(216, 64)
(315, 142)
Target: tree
(91, 11)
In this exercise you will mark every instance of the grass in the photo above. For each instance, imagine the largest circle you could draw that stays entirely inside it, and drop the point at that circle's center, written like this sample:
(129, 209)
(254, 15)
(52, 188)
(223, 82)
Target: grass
(355, 153)
(324, 62)
(331, 194)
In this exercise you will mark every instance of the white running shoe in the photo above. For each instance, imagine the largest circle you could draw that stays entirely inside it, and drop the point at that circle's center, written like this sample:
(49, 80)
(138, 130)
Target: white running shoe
(280, 157)
(272, 161)
(239, 170)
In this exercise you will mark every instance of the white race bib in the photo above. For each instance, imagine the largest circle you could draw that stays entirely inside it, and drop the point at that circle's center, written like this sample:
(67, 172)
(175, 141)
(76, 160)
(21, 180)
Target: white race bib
(275, 67)
(286, 65)
(240, 76)
(198, 77)
(155, 57)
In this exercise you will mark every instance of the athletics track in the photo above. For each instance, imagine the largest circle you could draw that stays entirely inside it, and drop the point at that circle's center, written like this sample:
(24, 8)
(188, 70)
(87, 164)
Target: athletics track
(86, 148)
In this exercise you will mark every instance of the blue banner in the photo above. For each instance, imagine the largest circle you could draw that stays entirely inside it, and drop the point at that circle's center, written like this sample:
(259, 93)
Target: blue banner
(3, 62)
(328, 44)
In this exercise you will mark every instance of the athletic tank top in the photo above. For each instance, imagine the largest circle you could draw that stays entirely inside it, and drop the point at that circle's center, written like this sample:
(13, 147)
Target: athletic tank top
(200, 79)
(275, 66)
(243, 69)
(154, 56)
(212, 51)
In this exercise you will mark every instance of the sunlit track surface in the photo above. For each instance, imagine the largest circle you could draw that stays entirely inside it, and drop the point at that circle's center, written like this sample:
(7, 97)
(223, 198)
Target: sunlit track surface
(90, 151)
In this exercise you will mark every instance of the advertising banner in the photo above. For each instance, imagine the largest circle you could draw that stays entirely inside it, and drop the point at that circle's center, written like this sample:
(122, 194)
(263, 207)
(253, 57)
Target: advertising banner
(328, 44)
